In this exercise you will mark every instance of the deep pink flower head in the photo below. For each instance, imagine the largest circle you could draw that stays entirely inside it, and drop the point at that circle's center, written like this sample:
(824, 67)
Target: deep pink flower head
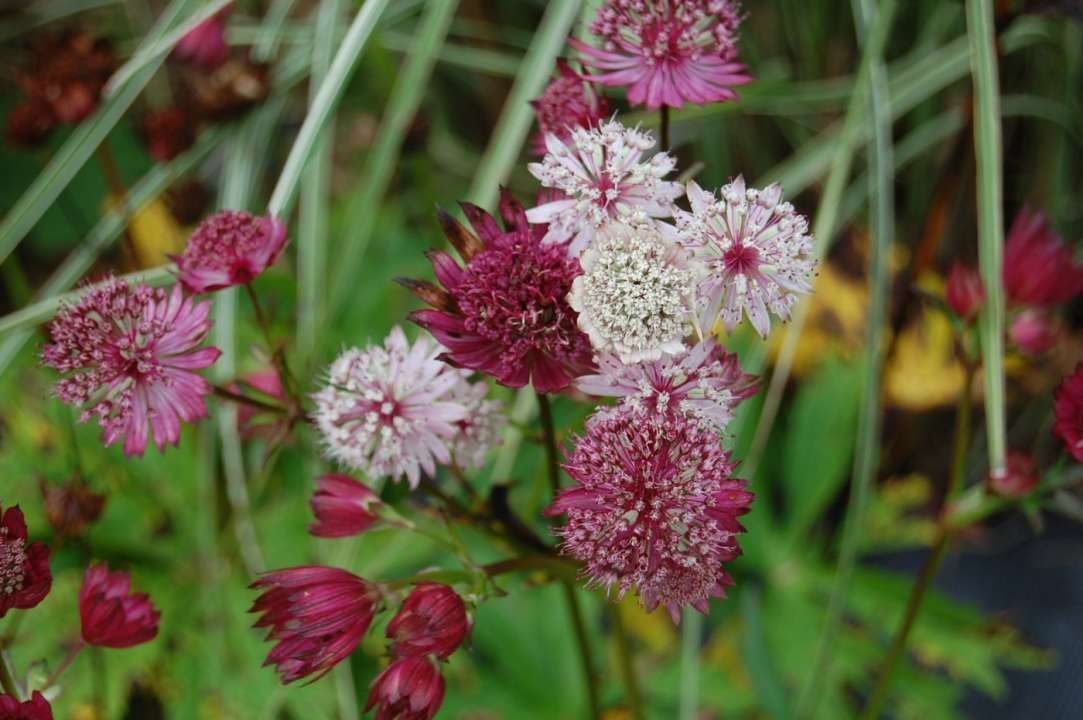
(112, 615)
(205, 45)
(1017, 479)
(24, 566)
(229, 248)
(342, 506)
(505, 313)
(1039, 267)
(1034, 331)
(568, 102)
(317, 615)
(410, 688)
(432, 621)
(1068, 410)
(667, 52)
(130, 353)
(705, 384)
(654, 507)
(36, 708)
(965, 293)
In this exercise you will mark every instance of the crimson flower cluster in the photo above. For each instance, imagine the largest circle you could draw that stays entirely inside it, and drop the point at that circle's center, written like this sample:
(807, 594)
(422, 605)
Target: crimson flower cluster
(36, 708)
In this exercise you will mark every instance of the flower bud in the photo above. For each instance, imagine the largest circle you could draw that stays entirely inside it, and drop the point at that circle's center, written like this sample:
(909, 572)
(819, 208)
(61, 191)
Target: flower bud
(965, 293)
(432, 621)
(36, 708)
(111, 614)
(409, 689)
(342, 506)
(1016, 479)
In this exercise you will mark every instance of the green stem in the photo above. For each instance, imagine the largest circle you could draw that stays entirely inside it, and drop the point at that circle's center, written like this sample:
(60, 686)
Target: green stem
(545, 414)
(963, 413)
(691, 635)
(626, 660)
(73, 652)
(663, 127)
(7, 682)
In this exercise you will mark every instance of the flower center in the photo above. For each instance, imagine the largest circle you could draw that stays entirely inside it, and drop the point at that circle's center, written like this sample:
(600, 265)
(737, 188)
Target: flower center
(743, 259)
(12, 563)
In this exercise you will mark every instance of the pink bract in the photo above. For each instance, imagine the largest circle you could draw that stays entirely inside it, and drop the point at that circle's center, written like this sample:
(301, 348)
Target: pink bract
(230, 248)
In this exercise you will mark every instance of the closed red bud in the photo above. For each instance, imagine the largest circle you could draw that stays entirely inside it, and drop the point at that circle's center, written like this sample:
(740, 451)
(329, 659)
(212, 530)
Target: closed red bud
(409, 689)
(1016, 479)
(432, 621)
(111, 614)
(342, 506)
(965, 293)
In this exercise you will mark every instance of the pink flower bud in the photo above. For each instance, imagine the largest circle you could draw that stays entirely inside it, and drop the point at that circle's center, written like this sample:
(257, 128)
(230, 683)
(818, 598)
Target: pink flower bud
(1018, 478)
(409, 689)
(1033, 331)
(342, 506)
(432, 621)
(112, 615)
(205, 45)
(965, 293)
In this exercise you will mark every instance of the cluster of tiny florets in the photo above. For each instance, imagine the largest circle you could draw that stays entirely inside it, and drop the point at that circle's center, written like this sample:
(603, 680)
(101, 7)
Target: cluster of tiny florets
(479, 431)
(636, 293)
(13, 561)
(601, 172)
(757, 251)
(568, 102)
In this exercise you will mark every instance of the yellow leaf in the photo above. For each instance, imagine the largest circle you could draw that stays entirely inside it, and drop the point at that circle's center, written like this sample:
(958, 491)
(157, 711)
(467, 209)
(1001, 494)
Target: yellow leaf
(923, 372)
(154, 233)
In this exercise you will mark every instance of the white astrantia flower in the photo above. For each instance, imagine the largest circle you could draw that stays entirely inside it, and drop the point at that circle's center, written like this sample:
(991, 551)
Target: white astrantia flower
(602, 174)
(636, 295)
(395, 409)
(757, 251)
(480, 430)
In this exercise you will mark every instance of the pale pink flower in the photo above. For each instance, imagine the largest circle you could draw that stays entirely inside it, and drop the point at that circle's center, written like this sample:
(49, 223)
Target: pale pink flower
(706, 384)
(229, 248)
(390, 410)
(667, 52)
(479, 431)
(568, 102)
(757, 250)
(601, 172)
(654, 508)
(130, 353)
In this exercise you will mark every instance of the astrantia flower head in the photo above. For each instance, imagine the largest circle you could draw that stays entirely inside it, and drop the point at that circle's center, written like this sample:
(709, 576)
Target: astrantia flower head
(229, 248)
(654, 507)
(505, 313)
(479, 431)
(568, 102)
(24, 566)
(757, 251)
(388, 410)
(603, 176)
(431, 621)
(317, 616)
(667, 52)
(1040, 269)
(111, 614)
(343, 507)
(36, 708)
(1068, 410)
(129, 354)
(636, 295)
(705, 384)
(411, 688)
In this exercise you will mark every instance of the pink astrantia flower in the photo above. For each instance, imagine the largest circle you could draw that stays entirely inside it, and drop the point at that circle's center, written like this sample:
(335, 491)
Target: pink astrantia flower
(1040, 269)
(667, 52)
(317, 616)
(601, 172)
(388, 410)
(36, 708)
(706, 384)
(111, 614)
(505, 313)
(230, 248)
(25, 578)
(431, 621)
(343, 507)
(568, 102)
(410, 688)
(965, 293)
(130, 353)
(205, 45)
(1068, 410)
(757, 250)
(654, 507)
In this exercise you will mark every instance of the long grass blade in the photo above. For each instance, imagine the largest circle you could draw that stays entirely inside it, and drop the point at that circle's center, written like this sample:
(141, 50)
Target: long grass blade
(48, 11)
(981, 34)
(379, 167)
(82, 143)
(346, 59)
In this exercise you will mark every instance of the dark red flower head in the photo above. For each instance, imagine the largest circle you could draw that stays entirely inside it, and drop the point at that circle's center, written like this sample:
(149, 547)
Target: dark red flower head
(24, 567)
(168, 132)
(1039, 267)
(317, 616)
(342, 506)
(36, 708)
(965, 293)
(1018, 478)
(230, 248)
(1068, 410)
(112, 615)
(432, 621)
(568, 102)
(505, 313)
(409, 689)
(66, 74)
(30, 123)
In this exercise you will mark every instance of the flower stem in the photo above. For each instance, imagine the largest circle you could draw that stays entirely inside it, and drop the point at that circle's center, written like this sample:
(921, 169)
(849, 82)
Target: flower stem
(663, 123)
(226, 394)
(626, 661)
(278, 359)
(7, 682)
(571, 601)
(73, 651)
